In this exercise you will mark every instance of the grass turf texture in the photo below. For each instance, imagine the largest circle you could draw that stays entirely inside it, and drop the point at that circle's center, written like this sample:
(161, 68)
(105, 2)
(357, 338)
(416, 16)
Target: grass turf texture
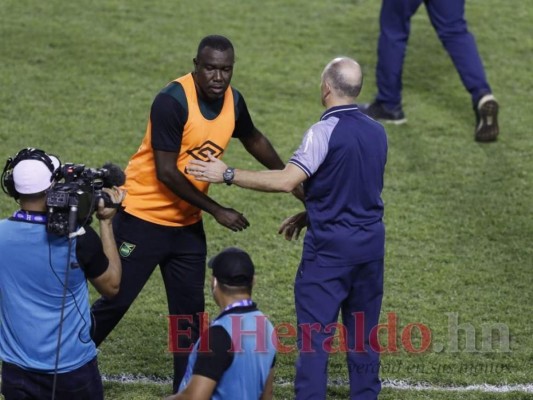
(79, 80)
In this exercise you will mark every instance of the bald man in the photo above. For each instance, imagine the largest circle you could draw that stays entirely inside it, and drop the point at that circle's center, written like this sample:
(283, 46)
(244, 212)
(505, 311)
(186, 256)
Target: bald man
(341, 162)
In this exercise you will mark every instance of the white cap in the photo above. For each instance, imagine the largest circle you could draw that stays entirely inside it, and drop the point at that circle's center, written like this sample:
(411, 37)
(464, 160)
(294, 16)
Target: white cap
(33, 176)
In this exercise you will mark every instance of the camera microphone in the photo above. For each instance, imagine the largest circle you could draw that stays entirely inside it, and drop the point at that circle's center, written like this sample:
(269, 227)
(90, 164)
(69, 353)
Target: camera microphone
(72, 218)
(115, 175)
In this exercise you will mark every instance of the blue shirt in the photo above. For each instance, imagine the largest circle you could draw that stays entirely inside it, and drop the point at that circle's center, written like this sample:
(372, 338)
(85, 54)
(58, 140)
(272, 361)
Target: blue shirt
(32, 272)
(344, 156)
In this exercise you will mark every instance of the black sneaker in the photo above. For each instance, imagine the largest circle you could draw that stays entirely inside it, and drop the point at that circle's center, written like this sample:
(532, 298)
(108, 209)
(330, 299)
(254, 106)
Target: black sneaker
(487, 129)
(379, 112)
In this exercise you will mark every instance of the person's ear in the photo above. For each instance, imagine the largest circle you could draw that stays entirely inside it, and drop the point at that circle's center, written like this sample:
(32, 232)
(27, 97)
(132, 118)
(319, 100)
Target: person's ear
(213, 286)
(327, 89)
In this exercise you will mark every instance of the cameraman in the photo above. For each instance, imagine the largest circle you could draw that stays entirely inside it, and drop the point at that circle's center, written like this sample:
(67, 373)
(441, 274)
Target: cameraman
(36, 307)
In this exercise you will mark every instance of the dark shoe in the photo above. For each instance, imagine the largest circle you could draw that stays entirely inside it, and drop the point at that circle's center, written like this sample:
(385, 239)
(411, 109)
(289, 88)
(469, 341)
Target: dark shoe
(379, 112)
(487, 129)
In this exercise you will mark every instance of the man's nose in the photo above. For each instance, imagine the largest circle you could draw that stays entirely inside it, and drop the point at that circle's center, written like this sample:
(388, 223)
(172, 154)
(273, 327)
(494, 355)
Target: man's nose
(218, 75)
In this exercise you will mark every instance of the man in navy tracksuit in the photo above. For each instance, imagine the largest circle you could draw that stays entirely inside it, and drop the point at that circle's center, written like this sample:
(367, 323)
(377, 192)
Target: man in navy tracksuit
(447, 17)
(341, 162)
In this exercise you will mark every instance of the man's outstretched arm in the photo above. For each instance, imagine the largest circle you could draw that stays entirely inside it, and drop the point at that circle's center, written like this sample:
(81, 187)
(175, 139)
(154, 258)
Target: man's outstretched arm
(285, 180)
(262, 150)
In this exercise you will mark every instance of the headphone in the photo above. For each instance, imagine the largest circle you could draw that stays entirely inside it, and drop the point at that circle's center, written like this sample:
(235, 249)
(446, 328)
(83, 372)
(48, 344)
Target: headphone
(29, 153)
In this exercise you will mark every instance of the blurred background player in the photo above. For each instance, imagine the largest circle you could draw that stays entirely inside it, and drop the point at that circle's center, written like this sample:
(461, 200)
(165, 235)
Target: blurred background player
(447, 17)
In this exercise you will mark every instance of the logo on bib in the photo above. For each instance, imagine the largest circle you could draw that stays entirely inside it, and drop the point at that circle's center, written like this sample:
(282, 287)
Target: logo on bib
(200, 152)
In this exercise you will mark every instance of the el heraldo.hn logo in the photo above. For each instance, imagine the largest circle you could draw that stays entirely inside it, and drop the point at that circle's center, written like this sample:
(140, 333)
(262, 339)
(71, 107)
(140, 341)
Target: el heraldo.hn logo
(201, 152)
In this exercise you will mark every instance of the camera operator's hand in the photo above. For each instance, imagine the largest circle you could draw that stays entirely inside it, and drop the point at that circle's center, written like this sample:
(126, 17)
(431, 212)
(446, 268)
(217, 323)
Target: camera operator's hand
(116, 195)
(108, 283)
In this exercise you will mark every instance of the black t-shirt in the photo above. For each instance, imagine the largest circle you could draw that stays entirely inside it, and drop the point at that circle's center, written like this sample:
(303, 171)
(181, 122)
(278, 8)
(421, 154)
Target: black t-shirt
(218, 359)
(90, 254)
(169, 115)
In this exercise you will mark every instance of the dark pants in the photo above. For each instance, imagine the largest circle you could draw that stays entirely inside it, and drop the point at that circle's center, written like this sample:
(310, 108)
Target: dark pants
(447, 17)
(180, 253)
(320, 293)
(83, 383)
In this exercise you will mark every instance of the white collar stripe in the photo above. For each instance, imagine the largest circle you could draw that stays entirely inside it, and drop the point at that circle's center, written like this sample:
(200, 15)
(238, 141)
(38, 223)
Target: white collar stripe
(336, 111)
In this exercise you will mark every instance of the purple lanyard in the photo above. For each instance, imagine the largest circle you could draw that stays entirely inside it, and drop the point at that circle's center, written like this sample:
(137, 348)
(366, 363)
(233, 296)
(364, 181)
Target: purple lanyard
(240, 303)
(29, 216)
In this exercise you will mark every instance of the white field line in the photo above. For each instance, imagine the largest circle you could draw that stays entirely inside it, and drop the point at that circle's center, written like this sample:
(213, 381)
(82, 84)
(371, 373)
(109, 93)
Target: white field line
(483, 387)
(387, 383)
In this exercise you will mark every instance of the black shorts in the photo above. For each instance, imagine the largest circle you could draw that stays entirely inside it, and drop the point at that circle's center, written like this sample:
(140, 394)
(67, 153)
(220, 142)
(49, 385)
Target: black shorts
(84, 383)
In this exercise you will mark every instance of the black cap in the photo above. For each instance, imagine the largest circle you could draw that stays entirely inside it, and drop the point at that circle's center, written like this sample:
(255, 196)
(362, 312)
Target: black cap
(233, 267)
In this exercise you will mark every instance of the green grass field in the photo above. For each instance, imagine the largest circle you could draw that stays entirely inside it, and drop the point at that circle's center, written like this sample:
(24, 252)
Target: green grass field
(78, 79)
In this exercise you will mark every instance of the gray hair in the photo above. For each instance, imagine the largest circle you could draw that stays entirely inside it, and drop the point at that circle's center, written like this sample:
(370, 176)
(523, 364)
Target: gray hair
(345, 77)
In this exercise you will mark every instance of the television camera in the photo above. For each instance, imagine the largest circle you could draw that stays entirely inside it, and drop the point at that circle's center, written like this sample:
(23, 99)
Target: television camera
(75, 194)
